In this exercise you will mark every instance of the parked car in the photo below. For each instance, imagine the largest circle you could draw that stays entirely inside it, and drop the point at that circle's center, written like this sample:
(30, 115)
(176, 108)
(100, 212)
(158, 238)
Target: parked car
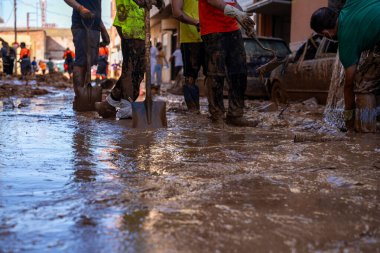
(256, 56)
(307, 74)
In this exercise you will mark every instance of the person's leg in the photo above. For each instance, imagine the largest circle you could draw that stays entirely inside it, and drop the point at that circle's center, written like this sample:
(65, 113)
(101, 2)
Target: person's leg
(367, 85)
(191, 59)
(83, 46)
(215, 62)
(237, 80)
(159, 75)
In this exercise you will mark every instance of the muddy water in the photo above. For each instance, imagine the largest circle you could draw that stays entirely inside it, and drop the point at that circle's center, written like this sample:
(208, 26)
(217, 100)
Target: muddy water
(70, 182)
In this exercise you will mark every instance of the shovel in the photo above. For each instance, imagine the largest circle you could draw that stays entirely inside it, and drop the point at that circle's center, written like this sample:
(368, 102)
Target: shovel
(148, 114)
(88, 95)
(272, 64)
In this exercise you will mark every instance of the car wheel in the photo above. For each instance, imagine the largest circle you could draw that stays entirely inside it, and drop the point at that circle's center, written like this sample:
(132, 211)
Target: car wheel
(278, 94)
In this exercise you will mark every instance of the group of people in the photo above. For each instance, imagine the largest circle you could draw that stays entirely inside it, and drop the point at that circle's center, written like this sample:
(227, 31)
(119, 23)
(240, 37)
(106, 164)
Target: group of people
(210, 38)
(28, 66)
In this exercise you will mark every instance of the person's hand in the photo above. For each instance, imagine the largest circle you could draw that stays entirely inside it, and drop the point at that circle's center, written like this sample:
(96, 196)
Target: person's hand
(144, 3)
(242, 17)
(160, 4)
(85, 13)
(105, 36)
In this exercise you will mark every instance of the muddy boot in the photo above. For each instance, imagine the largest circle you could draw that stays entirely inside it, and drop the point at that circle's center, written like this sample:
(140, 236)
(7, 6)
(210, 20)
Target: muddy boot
(241, 122)
(105, 110)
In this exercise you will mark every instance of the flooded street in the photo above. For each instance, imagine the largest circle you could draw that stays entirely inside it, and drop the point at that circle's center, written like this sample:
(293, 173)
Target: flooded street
(72, 182)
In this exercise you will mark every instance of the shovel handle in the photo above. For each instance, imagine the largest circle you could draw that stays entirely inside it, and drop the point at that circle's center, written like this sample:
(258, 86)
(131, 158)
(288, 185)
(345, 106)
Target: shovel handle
(148, 97)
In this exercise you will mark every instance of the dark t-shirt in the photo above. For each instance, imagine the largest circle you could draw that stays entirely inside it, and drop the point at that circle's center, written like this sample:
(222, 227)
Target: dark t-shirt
(95, 6)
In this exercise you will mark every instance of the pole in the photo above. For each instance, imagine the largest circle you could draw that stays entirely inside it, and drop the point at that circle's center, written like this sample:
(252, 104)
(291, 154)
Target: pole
(15, 29)
(27, 21)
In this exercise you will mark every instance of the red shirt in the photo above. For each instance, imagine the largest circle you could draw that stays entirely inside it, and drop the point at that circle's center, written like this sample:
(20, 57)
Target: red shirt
(103, 51)
(213, 20)
(24, 53)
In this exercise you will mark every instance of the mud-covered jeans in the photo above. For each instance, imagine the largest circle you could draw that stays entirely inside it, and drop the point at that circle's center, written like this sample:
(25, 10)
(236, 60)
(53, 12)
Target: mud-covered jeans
(367, 88)
(225, 58)
(133, 69)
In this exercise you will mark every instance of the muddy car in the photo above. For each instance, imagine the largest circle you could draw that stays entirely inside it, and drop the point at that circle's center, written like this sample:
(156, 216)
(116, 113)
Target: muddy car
(307, 74)
(256, 56)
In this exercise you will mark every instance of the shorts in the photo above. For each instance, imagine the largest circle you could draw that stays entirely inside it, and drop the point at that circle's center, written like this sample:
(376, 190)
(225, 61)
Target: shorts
(225, 54)
(193, 57)
(84, 46)
(26, 66)
(367, 77)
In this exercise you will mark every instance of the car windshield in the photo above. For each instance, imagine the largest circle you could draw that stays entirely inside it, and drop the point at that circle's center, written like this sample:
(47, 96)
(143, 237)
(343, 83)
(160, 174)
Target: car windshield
(253, 49)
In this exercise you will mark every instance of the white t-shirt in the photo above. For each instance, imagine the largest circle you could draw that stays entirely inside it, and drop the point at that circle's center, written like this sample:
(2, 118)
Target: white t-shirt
(178, 58)
(153, 54)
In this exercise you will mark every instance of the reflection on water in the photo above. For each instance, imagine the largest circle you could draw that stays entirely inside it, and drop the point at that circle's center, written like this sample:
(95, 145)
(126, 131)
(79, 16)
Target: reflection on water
(75, 183)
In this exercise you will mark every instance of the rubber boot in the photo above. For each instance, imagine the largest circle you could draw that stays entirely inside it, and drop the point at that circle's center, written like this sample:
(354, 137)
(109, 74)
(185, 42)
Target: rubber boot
(241, 122)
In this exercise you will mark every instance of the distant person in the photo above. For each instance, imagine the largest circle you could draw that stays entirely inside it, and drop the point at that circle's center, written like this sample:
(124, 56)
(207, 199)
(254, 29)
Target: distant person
(178, 63)
(102, 69)
(357, 29)
(153, 62)
(69, 56)
(86, 14)
(116, 69)
(50, 66)
(34, 66)
(42, 66)
(161, 60)
(25, 61)
(8, 55)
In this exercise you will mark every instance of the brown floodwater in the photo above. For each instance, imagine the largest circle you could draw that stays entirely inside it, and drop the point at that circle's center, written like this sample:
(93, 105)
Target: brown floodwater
(72, 182)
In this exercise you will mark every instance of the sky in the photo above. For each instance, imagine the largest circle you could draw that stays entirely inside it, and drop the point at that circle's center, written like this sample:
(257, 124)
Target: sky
(58, 12)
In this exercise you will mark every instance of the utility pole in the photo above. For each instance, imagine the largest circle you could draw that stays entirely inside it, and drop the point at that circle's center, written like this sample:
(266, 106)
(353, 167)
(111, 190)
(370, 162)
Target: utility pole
(15, 29)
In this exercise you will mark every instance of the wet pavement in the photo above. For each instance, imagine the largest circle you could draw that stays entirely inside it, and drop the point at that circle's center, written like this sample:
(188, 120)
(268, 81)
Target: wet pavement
(71, 182)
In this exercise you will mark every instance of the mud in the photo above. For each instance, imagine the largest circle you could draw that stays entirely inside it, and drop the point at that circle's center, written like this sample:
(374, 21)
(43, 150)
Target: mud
(71, 182)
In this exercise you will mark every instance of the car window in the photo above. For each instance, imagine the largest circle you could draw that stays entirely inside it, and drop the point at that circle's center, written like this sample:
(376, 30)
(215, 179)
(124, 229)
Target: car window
(253, 49)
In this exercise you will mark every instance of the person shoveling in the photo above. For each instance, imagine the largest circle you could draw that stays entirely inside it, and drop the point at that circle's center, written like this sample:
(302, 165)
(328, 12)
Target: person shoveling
(87, 27)
(134, 34)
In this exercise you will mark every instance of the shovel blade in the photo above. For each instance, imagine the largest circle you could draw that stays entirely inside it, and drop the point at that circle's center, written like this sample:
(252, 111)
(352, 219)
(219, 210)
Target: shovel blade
(140, 119)
(86, 97)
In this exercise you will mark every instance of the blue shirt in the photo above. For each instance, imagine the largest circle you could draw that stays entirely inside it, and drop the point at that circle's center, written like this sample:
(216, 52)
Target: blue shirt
(95, 6)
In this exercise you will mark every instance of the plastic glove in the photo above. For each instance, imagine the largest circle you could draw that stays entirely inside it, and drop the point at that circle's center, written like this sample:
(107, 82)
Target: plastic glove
(242, 17)
(85, 13)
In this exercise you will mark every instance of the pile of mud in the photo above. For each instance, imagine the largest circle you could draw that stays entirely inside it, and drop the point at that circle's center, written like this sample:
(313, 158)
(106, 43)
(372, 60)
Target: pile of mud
(24, 91)
(57, 80)
(35, 86)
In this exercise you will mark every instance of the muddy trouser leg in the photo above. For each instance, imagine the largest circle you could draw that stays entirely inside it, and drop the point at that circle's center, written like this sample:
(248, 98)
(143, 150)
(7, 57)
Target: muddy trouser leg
(192, 56)
(367, 85)
(214, 85)
(132, 70)
(237, 85)
(237, 74)
(215, 62)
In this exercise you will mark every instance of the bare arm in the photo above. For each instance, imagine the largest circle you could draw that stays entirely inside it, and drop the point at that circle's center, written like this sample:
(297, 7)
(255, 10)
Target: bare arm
(349, 96)
(177, 9)
(105, 37)
(84, 12)
(74, 4)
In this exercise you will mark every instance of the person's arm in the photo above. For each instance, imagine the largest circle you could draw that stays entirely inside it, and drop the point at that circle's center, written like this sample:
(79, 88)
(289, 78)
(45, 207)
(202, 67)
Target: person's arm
(242, 17)
(84, 12)
(105, 37)
(349, 95)
(177, 10)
